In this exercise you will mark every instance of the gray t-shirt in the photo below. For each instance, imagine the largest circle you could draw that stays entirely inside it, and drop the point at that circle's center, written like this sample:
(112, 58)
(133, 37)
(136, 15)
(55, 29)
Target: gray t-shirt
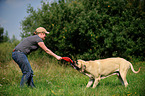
(29, 44)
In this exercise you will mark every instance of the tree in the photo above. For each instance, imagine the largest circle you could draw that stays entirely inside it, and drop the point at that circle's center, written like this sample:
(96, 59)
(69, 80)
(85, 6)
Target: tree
(1, 34)
(13, 39)
(6, 37)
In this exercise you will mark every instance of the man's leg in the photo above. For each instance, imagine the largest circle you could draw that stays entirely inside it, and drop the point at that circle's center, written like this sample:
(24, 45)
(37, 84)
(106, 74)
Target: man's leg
(21, 59)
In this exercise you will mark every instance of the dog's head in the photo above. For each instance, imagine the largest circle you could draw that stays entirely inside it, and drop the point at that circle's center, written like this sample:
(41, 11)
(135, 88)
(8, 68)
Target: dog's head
(81, 64)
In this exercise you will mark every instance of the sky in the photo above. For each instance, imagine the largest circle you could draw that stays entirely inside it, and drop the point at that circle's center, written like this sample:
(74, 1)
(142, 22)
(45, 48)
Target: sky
(12, 12)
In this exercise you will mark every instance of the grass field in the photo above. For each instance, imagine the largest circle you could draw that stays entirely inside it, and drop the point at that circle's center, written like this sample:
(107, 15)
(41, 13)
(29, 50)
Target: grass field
(54, 79)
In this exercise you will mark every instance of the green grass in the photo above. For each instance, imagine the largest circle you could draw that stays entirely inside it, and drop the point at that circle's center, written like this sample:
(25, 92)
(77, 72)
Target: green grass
(53, 79)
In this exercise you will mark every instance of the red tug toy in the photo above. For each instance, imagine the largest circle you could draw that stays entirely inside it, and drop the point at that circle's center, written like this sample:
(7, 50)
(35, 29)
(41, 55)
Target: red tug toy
(71, 62)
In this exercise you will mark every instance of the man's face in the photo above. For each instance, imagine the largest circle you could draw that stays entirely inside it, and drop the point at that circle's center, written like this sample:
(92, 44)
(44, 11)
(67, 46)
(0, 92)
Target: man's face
(43, 36)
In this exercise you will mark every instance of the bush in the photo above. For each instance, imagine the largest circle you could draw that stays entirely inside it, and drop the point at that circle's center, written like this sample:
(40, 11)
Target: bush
(90, 29)
(6, 51)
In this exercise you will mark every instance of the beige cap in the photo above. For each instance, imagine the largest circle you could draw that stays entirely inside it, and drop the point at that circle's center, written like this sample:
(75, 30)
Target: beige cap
(41, 29)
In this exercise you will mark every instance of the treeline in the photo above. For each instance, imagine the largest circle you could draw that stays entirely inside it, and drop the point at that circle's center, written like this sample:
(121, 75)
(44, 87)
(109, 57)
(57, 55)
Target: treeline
(4, 37)
(91, 29)
(6, 46)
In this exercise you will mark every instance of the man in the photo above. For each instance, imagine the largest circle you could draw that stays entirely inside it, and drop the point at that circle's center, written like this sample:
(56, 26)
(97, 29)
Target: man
(25, 47)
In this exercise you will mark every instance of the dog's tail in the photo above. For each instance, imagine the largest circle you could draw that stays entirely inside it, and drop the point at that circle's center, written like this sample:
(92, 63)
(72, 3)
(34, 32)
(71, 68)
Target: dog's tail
(133, 68)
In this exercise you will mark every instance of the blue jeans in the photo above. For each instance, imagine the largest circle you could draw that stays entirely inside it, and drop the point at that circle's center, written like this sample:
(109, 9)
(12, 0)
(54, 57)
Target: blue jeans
(21, 59)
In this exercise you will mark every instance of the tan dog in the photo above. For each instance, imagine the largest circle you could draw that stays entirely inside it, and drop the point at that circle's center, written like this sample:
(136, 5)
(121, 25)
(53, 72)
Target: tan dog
(100, 69)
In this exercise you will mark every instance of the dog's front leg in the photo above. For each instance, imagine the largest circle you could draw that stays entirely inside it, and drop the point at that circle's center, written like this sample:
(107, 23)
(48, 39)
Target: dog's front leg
(90, 82)
(96, 82)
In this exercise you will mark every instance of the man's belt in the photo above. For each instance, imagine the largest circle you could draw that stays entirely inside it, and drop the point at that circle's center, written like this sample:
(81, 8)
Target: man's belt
(13, 50)
(16, 50)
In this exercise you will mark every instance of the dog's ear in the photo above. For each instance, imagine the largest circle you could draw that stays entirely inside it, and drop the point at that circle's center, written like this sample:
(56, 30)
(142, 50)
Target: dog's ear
(83, 63)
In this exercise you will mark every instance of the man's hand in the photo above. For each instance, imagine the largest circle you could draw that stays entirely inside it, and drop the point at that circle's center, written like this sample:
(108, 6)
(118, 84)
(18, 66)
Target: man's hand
(59, 58)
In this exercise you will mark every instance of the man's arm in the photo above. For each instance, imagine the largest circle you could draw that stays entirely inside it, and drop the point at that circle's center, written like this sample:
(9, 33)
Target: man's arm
(42, 45)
